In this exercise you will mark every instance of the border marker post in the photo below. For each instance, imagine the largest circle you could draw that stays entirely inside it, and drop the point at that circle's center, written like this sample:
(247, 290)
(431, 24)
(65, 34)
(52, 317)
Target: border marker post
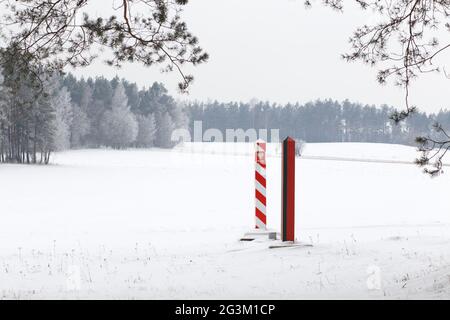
(288, 190)
(288, 197)
(260, 186)
(261, 230)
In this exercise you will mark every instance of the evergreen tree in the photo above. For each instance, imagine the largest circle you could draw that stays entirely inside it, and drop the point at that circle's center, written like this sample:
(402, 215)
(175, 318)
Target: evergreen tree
(147, 131)
(3, 116)
(61, 102)
(80, 127)
(27, 114)
(119, 127)
(164, 131)
(43, 125)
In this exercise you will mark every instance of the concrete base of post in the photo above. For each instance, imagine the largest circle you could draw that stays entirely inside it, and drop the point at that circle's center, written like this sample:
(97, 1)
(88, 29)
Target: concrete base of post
(260, 234)
(290, 244)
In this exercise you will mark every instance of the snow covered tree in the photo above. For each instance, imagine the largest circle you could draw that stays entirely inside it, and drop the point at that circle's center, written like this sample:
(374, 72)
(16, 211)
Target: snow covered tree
(80, 127)
(100, 102)
(28, 116)
(25, 93)
(61, 102)
(3, 116)
(164, 132)
(43, 126)
(179, 117)
(147, 131)
(81, 123)
(119, 127)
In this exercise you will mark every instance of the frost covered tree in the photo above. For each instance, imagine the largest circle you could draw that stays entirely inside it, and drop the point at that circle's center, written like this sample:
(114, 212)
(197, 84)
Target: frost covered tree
(176, 111)
(27, 125)
(147, 131)
(81, 93)
(61, 103)
(100, 102)
(164, 132)
(43, 127)
(119, 127)
(3, 116)
(92, 98)
(80, 127)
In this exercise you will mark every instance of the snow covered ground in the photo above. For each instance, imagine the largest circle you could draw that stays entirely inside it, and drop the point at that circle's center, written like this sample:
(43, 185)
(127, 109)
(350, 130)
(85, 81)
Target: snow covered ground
(156, 224)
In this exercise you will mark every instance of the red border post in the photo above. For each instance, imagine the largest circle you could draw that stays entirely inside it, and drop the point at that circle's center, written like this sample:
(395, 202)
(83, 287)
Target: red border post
(260, 185)
(288, 191)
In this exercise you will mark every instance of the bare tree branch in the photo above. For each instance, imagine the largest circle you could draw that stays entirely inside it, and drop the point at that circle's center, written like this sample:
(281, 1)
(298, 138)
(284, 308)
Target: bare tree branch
(404, 41)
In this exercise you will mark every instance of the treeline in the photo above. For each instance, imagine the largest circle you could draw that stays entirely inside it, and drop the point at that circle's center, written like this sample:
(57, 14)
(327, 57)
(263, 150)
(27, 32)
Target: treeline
(116, 113)
(42, 112)
(319, 121)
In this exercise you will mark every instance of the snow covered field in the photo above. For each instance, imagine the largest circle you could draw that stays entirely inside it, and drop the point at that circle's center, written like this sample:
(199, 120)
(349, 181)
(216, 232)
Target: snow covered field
(159, 224)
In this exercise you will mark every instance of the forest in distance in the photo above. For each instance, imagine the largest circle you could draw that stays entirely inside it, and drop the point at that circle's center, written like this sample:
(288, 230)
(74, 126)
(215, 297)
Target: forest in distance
(98, 112)
(316, 121)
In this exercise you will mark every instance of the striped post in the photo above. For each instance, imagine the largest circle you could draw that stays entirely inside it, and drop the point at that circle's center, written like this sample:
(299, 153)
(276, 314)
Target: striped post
(260, 185)
(288, 191)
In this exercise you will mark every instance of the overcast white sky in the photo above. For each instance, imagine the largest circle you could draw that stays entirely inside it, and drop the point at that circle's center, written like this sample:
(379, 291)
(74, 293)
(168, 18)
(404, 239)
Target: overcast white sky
(278, 50)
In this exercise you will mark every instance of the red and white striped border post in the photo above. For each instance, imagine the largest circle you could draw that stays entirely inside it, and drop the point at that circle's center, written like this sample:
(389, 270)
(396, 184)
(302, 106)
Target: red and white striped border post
(260, 185)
